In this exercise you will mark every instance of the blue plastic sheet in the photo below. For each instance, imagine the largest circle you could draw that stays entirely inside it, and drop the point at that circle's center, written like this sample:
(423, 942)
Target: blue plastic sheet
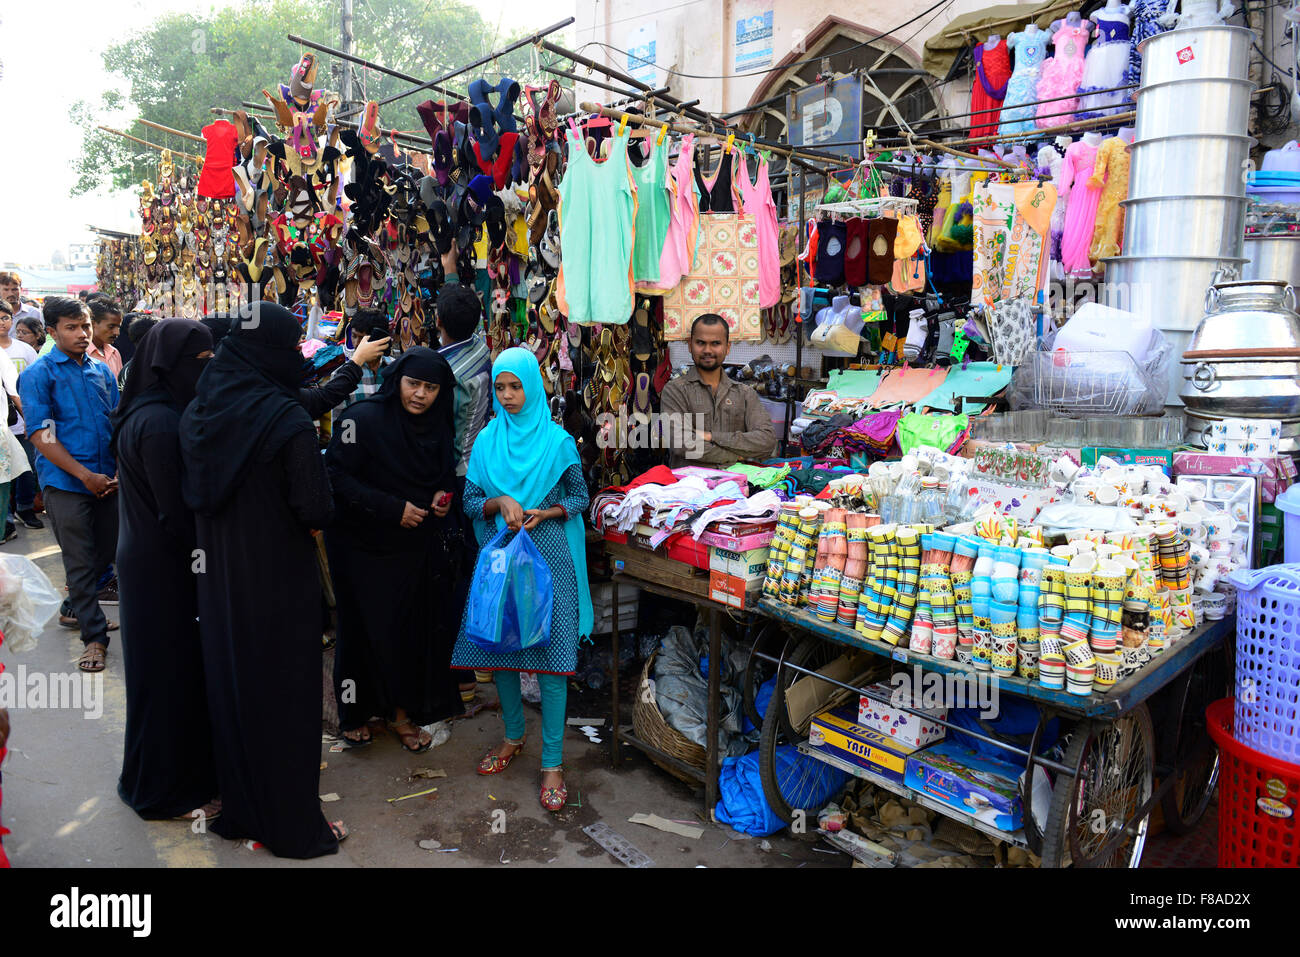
(740, 788)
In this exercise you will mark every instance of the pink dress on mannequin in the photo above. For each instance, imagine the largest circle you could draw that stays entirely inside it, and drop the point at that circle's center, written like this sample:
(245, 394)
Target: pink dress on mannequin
(1081, 207)
(1060, 75)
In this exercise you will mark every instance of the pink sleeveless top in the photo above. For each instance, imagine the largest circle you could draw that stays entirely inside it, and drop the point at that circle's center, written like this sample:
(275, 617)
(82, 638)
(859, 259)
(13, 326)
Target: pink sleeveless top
(756, 199)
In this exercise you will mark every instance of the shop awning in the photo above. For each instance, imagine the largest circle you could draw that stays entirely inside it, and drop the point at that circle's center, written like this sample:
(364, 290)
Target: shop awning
(942, 48)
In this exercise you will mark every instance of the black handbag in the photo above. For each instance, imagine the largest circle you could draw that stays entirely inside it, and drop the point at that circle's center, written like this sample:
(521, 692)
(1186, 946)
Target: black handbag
(13, 409)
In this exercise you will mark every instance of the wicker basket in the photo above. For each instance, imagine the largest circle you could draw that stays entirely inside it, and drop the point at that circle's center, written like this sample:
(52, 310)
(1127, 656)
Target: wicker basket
(651, 728)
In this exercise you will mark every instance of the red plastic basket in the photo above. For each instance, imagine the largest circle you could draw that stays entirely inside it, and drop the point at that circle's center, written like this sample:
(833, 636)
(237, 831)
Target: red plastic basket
(1259, 800)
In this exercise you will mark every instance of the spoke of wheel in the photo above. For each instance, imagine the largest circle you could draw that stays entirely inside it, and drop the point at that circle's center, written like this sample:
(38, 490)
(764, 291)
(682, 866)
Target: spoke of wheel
(1112, 785)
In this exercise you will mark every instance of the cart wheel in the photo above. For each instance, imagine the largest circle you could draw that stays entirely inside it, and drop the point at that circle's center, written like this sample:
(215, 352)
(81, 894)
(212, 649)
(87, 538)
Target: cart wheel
(768, 639)
(788, 785)
(1114, 764)
(1186, 745)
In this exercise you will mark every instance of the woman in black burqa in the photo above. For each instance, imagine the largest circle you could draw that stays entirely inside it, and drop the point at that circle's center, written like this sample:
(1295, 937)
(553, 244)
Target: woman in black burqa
(255, 477)
(167, 767)
(396, 552)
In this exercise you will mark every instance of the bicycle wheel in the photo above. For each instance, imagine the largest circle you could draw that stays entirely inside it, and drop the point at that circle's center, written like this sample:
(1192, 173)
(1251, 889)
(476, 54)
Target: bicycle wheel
(768, 639)
(1186, 744)
(790, 780)
(1114, 764)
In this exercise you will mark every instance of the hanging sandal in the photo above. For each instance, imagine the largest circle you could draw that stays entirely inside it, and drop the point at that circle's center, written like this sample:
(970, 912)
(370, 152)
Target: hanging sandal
(494, 763)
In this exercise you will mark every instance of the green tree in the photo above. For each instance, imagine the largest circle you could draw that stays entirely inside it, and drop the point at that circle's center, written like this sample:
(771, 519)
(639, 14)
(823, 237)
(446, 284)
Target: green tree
(182, 65)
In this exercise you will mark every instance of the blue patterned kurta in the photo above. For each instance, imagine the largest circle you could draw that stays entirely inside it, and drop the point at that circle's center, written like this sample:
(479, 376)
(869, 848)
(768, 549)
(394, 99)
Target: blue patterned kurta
(561, 655)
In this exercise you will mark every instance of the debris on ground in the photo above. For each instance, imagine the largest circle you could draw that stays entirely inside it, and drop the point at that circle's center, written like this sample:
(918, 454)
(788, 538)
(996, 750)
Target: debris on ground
(426, 773)
(407, 797)
(430, 845)
(329, 798)
(672, 827)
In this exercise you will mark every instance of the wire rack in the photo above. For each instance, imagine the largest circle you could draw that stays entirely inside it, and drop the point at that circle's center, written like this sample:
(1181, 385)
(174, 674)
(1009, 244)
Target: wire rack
(1087, 383)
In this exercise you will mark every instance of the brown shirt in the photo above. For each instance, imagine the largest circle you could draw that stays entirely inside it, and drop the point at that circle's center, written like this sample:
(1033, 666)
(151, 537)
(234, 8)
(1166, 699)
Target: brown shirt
(733, 414)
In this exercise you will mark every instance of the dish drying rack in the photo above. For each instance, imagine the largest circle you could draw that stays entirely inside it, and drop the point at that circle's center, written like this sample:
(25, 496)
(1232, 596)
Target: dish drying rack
(1087, 383)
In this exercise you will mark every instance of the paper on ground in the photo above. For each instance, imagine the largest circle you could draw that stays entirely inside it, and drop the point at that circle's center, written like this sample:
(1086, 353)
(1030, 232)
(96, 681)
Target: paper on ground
(672, 827)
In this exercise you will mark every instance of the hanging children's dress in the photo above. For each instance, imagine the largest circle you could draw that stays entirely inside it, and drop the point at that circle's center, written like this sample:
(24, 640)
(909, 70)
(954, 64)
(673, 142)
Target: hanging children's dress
(756, 200)
(1031, 49)
(992, 73)
(1146, 24)
(683, 224)
(217, 180)
(1111, 169)
(597, 212)
(1060, 76)
(1105, 65)
(1081, 212)
(653, 212)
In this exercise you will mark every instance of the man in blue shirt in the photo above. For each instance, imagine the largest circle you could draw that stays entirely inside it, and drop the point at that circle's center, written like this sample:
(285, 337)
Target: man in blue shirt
(69, 398)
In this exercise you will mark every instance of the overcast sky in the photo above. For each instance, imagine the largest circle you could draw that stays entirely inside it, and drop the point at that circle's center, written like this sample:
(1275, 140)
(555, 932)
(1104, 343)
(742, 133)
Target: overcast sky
(51, 58)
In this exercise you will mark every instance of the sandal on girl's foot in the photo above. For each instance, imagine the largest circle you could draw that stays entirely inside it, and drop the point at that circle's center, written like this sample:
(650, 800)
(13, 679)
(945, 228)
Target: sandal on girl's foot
(361, 740)
(413, 740)
(554, 799)
(339, 831)
(494, 763)
(209, 812)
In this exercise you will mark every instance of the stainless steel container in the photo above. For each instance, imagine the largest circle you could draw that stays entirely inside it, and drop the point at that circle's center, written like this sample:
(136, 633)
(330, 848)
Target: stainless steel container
(1168, 289)
(1244, 358)
(1195, 53)
(1189, 164)
(1183, 225)
(1218, 107)
(1272, 257)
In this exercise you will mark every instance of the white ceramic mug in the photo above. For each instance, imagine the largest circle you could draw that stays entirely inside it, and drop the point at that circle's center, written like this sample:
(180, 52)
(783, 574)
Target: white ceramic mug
(1215, 605)
(1063, 471)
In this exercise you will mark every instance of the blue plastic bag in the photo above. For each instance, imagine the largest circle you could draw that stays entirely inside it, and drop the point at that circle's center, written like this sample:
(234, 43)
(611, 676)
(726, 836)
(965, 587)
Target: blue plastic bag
(510, 597)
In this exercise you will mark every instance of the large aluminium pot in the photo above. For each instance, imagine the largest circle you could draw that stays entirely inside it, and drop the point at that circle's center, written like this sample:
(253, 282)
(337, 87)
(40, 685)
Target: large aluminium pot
(1189, 164)
(1169, 290)
(1183, 225)
(1205, 107)
(1272, 257)
(1196, 53)
(1244, 358)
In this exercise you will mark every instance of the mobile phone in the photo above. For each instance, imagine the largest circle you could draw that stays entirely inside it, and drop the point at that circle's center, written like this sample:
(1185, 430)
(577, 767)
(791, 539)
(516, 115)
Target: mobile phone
(444, 498)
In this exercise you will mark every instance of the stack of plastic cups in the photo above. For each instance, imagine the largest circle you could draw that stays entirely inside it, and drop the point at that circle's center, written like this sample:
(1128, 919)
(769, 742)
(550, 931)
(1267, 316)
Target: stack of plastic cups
(1006, 573)
(878, 589)
(1002, 644)
(1158, 624)
(909, 579)
(1028, 647)
(834, 542)
(779, 552)
(1051, 613)
(1108, 582)
(792, 577)
(942, 600)
(855, 569)
(922, 634)
(963, 568)
(981, 585)
(1169, 539)
(1080, 663)
(810, 519)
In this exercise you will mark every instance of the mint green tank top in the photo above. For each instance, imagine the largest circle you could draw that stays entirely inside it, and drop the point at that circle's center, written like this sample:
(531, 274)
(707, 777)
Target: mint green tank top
(597, 201)
(653, 213)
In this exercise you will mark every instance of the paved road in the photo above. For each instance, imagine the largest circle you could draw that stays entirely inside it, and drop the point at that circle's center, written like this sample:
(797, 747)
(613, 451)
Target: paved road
(61, 804)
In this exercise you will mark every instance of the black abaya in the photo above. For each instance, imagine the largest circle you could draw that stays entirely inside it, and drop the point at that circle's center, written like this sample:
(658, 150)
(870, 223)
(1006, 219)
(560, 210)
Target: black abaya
(254, 475)
(167, 767)
(392, 583)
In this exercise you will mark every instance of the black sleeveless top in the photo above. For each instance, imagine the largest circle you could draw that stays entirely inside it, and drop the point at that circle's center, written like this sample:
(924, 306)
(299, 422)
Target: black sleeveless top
(718, 199)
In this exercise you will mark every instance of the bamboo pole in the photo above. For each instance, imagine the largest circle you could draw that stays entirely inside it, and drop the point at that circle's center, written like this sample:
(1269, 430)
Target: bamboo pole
(152, 146)
(1119, 119)
(168, 129)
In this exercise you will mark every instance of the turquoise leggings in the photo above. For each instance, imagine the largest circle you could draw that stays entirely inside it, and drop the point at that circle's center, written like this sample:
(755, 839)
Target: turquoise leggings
(555, 691)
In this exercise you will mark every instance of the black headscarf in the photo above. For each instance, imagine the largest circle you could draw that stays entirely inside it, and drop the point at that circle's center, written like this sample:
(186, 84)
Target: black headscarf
(246, 404)
(219, 326)
(412, 456)
(164, 370)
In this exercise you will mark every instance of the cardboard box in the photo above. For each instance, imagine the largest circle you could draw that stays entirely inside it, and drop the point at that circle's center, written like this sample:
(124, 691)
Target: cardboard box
(682, 549)
(899, 725)
(837, 733)
(735, 591)
(747, 564)
(742, 542)
(982, 787)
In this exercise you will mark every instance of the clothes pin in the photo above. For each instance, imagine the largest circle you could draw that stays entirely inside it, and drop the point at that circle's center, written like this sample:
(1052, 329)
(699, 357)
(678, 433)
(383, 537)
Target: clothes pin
(731, 139)
(663, 131)
(622, 124)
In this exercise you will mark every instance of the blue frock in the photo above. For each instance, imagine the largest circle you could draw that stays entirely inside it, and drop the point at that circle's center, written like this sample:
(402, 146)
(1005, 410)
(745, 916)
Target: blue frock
(561, 655)
(1023, 85)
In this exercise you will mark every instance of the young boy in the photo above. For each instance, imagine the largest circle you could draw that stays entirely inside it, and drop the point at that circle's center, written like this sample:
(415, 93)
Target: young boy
(106, 319)
(68, 398)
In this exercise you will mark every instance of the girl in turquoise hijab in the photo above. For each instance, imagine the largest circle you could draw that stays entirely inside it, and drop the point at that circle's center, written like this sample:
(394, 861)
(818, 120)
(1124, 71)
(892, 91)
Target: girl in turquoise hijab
(525, 472)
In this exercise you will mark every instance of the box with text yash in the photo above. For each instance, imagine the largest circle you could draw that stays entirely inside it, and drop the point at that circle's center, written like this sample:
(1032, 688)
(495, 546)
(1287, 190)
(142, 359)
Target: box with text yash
(837, 732)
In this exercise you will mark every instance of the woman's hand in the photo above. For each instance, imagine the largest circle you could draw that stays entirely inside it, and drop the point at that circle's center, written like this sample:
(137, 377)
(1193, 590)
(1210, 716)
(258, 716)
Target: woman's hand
(413, 516)
(535, 516)
(442, 504)
(511, 512)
